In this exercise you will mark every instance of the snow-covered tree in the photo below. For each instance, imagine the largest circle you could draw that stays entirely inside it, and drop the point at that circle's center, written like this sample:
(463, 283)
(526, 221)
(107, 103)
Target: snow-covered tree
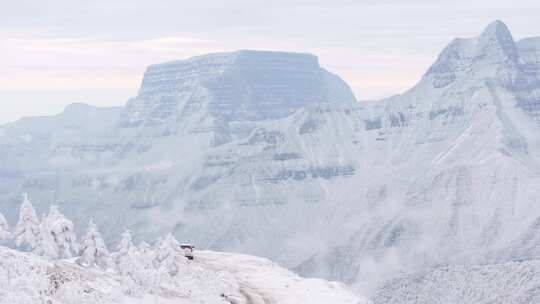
(146, 252)
(27, 229)
(56, 238)
(145, 256)
(168, 254)
(124, 257)
(4, 229)
(135, 264)
(125, 246)
(45, 245)
(93, 250)
(148, 276)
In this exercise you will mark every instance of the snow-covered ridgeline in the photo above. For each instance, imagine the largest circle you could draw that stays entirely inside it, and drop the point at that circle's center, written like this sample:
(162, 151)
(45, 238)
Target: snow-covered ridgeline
(212, 278)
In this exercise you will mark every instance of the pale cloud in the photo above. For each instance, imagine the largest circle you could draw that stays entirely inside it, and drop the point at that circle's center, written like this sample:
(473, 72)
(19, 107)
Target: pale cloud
(60, 62)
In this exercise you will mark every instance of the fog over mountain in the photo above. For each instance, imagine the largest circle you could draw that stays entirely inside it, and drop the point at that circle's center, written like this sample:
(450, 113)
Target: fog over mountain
(269, 154)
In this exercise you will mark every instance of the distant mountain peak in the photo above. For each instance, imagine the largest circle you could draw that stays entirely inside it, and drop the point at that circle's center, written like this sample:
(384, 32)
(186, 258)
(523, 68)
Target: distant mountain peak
(496, 27)
(463, 56)
(497, 37)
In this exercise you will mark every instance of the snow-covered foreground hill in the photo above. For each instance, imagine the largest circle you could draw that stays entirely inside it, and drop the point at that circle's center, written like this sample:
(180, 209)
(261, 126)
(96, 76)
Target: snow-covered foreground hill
(212, 278)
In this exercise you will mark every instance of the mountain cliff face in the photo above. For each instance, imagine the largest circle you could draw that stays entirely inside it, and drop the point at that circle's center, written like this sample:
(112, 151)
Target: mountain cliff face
(268, 154)
(224, 92)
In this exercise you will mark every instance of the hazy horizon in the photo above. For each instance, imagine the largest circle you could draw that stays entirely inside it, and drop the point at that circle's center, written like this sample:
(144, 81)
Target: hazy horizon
(60, 53)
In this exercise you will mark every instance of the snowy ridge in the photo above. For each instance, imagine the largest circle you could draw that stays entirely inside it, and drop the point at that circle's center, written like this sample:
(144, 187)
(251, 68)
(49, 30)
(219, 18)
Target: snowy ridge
(215, 278)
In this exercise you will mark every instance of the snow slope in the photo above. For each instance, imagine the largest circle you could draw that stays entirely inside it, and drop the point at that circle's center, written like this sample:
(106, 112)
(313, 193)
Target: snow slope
(509, 283)
(446, 173)
(275, 284)
(212, 278)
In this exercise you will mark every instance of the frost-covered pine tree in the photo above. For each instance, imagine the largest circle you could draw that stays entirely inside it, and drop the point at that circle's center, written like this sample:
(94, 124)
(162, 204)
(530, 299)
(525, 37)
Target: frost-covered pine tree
(93, 250)
(167, 254)
(135, 265)
(45, 245)
(125, 246)
(27, 229)
(57, 239)
(147, 275)
(124, 257)
(4, 229)
(146, 252)
(145, 255)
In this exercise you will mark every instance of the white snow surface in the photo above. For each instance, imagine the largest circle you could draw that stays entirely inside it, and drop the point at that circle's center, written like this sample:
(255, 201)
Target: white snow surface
(506, 283)
(212, 278)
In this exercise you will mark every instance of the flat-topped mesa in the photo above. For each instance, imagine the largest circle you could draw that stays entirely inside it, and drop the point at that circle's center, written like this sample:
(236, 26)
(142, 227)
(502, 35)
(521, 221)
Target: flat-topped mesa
(168, 77)
(237, 86)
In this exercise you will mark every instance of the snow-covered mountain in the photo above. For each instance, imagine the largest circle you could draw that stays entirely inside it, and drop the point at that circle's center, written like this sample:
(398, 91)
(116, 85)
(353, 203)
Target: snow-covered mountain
(268, 154)
(512, 282)
(212, 278)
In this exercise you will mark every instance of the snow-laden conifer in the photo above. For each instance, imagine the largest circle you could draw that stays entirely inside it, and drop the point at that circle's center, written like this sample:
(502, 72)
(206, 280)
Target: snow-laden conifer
(93, 250)
(57, 238)
(4, 229)
(168, 254)
(27, 229)
(125, 256)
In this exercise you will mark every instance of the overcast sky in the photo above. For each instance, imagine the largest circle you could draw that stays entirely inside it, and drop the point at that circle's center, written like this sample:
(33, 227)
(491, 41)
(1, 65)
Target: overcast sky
(57, 52)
